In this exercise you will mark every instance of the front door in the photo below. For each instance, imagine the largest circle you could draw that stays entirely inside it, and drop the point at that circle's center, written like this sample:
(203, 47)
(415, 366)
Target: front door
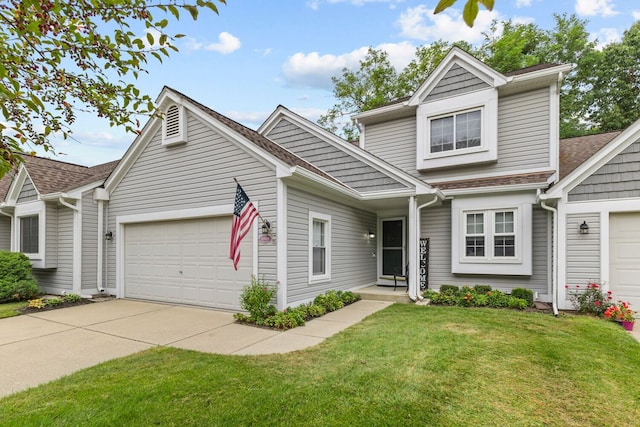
(393, 244)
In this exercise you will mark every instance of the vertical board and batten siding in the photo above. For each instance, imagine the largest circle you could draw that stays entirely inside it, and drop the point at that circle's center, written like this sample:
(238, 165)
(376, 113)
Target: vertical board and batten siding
(90, 242)
(28, 192)
(61, 277)
(5, 233)
(583, 250)
(352, 263)
(618, 179)
(456, 81)
(436, 225)
(347, 169)
(523, 140)
(193, 175)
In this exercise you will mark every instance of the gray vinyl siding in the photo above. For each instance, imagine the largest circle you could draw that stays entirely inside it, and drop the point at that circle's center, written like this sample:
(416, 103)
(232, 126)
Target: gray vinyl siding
(457, 81)
(583, 250)
(53, 234)
(193, 175)
(89, 242)
(28, 192)
(619, 178)
(5, 233)
(523, 140)
(352, 263)
(395, 142)
(61, 277)
(436, 225)
(339, 164)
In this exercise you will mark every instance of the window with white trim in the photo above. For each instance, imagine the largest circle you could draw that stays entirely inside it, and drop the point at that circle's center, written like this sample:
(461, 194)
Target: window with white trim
(29, 234)
(492, 235)
(319, 247)
(456, 131)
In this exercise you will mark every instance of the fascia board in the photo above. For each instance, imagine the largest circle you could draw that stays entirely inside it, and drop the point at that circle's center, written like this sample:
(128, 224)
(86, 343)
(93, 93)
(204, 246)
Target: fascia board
(545, 72)
(604, 155)
(272, 120)
(381, 111)
(358, 153)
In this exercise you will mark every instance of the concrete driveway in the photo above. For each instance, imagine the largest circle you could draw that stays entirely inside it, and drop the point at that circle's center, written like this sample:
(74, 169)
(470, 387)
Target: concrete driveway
(38, 348)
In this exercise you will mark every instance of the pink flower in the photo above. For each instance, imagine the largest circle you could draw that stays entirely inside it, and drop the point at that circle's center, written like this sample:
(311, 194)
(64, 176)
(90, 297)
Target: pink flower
(566, 286)
(577, 286)
(597, 303)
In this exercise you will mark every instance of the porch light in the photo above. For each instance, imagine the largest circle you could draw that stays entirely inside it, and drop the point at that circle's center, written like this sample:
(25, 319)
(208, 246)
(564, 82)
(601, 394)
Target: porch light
(266, 235)
(108, 235)
(584, 228)
(372, 235)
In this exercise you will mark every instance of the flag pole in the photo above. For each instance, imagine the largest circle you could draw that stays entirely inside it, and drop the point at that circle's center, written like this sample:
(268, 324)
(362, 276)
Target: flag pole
(259, 216)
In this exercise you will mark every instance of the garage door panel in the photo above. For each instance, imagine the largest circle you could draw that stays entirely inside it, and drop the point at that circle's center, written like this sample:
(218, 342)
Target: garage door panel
(624, 257)
(185, 262)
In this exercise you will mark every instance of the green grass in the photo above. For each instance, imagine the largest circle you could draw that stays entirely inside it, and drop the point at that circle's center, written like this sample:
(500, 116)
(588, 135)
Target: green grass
(406, 365)
(10, 309)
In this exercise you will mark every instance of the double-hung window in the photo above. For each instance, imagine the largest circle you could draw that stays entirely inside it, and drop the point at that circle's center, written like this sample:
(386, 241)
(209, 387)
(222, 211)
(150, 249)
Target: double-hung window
(456, 131)
(497, 227)
(29, 234)
(319, 247)
(475, 237)
(504, 237)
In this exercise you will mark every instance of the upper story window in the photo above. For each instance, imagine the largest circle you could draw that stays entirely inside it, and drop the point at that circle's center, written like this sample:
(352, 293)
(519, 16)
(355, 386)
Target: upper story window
(458, 130)
(319, 247)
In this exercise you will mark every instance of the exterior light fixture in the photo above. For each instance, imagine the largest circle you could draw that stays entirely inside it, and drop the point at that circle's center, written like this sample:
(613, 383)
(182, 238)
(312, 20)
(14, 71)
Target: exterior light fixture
(266, 235)
(372, 235)
(584, 228)
(108, 235)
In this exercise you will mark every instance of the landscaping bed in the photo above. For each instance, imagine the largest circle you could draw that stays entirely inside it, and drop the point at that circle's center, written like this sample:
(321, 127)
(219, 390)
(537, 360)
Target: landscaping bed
(72, 300)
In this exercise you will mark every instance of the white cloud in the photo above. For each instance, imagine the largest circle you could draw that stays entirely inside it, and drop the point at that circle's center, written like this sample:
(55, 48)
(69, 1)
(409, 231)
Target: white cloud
(227, 43)
(636, 14)
(523, 3)
(606, 36)
(523, 20)
(419, 23)
(595, 8)
(315, 70)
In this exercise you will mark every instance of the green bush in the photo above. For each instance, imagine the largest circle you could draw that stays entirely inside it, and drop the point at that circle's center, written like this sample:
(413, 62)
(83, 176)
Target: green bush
(590, 300)
(256, 299)
(525, 294)
(71, 298)
(17, 282)
(498, 299)
(517, 303)
(482, 289)
(449, 289)
(330, 301)
(288, 319)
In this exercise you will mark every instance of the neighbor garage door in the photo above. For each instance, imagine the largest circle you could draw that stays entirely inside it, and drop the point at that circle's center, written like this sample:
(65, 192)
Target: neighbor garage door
(624, 257)
(185, 261)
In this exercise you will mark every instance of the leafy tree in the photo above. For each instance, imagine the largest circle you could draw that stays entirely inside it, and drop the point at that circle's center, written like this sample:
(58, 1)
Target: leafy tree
(60, 57)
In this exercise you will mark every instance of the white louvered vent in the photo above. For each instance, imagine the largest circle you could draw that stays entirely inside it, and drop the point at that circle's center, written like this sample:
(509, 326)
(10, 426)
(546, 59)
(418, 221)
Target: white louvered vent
(175, 130)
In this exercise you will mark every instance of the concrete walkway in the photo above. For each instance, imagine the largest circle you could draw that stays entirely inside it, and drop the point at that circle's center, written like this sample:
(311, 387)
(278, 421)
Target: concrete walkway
(38, 348)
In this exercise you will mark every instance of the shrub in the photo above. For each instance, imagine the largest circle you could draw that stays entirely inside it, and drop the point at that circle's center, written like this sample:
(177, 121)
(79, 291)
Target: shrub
(17, 282)
(591, 300)
(482, 289)
(525, 294)
(330, 301)
(498, 299)
(71, 298)
(449, 289)
(517, 303)
(256, 299)
(287, 319)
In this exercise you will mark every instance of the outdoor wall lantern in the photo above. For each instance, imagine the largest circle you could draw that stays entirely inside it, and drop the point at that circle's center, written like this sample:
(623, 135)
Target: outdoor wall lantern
(108, 235)
(372, 235)
(266, 236)
(584, 228)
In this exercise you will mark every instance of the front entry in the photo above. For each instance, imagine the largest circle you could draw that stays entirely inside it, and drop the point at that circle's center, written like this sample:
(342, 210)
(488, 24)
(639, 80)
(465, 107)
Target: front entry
(393, 246)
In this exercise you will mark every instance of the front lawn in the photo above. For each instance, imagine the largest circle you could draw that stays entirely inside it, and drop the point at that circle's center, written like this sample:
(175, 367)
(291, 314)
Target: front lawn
(11, 309)
(406, 365)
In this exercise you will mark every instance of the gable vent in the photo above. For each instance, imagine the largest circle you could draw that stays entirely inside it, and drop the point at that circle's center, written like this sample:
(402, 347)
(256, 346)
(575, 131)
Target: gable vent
(174, 125)
(173, 122)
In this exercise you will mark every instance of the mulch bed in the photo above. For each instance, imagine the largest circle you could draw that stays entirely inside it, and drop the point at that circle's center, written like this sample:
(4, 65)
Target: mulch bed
(31, 310)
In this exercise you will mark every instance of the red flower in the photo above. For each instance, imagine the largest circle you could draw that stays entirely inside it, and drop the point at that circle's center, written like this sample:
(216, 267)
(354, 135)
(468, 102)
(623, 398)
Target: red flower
(597, 303)
(577, 286)
(566, 286)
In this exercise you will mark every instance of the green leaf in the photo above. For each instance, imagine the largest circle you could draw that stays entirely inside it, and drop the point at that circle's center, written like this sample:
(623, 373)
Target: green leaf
(470, 12)
(193, 11)
(174, 11)
(150, 39)
(487, 3)
(442, 5)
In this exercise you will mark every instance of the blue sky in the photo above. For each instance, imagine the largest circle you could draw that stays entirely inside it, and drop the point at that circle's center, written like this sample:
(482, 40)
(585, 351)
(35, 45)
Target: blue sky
(258, 54)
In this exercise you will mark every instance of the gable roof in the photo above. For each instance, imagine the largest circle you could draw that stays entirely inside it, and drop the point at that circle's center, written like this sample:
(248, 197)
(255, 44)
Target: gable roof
(54, 176)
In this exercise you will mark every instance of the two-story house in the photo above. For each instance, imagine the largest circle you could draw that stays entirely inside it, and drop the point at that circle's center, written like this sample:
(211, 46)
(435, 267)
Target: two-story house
(465, 182)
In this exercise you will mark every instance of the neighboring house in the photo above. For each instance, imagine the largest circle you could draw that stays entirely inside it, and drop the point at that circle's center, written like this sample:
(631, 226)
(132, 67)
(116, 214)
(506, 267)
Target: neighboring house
(48, 212)
(465, 182)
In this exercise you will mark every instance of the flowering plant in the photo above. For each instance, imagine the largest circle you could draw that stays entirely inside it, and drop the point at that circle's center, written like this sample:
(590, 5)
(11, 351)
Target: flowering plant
(590, 300)
(620, 312)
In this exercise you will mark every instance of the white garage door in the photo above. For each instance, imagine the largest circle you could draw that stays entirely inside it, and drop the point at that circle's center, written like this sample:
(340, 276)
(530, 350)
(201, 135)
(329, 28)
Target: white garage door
(185, 261)
(624, 257)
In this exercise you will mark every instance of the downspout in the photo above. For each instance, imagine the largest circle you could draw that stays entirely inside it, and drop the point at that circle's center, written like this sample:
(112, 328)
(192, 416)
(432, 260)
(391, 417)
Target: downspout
(414, 269)
(554, 258)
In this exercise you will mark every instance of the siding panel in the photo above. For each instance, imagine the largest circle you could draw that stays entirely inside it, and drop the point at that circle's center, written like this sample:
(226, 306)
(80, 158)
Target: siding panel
(60, 278)
(456, 81)
(90, 241)
(5, 233)
(28, 192)
(583, 250)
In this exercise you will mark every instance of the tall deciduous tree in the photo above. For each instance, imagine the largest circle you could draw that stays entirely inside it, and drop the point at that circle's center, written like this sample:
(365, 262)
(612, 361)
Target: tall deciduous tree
(59, 57)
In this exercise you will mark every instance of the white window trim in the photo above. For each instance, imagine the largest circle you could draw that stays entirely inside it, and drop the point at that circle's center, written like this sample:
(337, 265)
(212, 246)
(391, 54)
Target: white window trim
(521, 263)
(181, 137)
(32, 209)
(326, 277)
(486, 101)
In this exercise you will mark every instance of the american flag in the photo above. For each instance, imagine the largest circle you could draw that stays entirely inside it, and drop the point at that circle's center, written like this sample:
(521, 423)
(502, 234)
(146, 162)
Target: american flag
(243, 215)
